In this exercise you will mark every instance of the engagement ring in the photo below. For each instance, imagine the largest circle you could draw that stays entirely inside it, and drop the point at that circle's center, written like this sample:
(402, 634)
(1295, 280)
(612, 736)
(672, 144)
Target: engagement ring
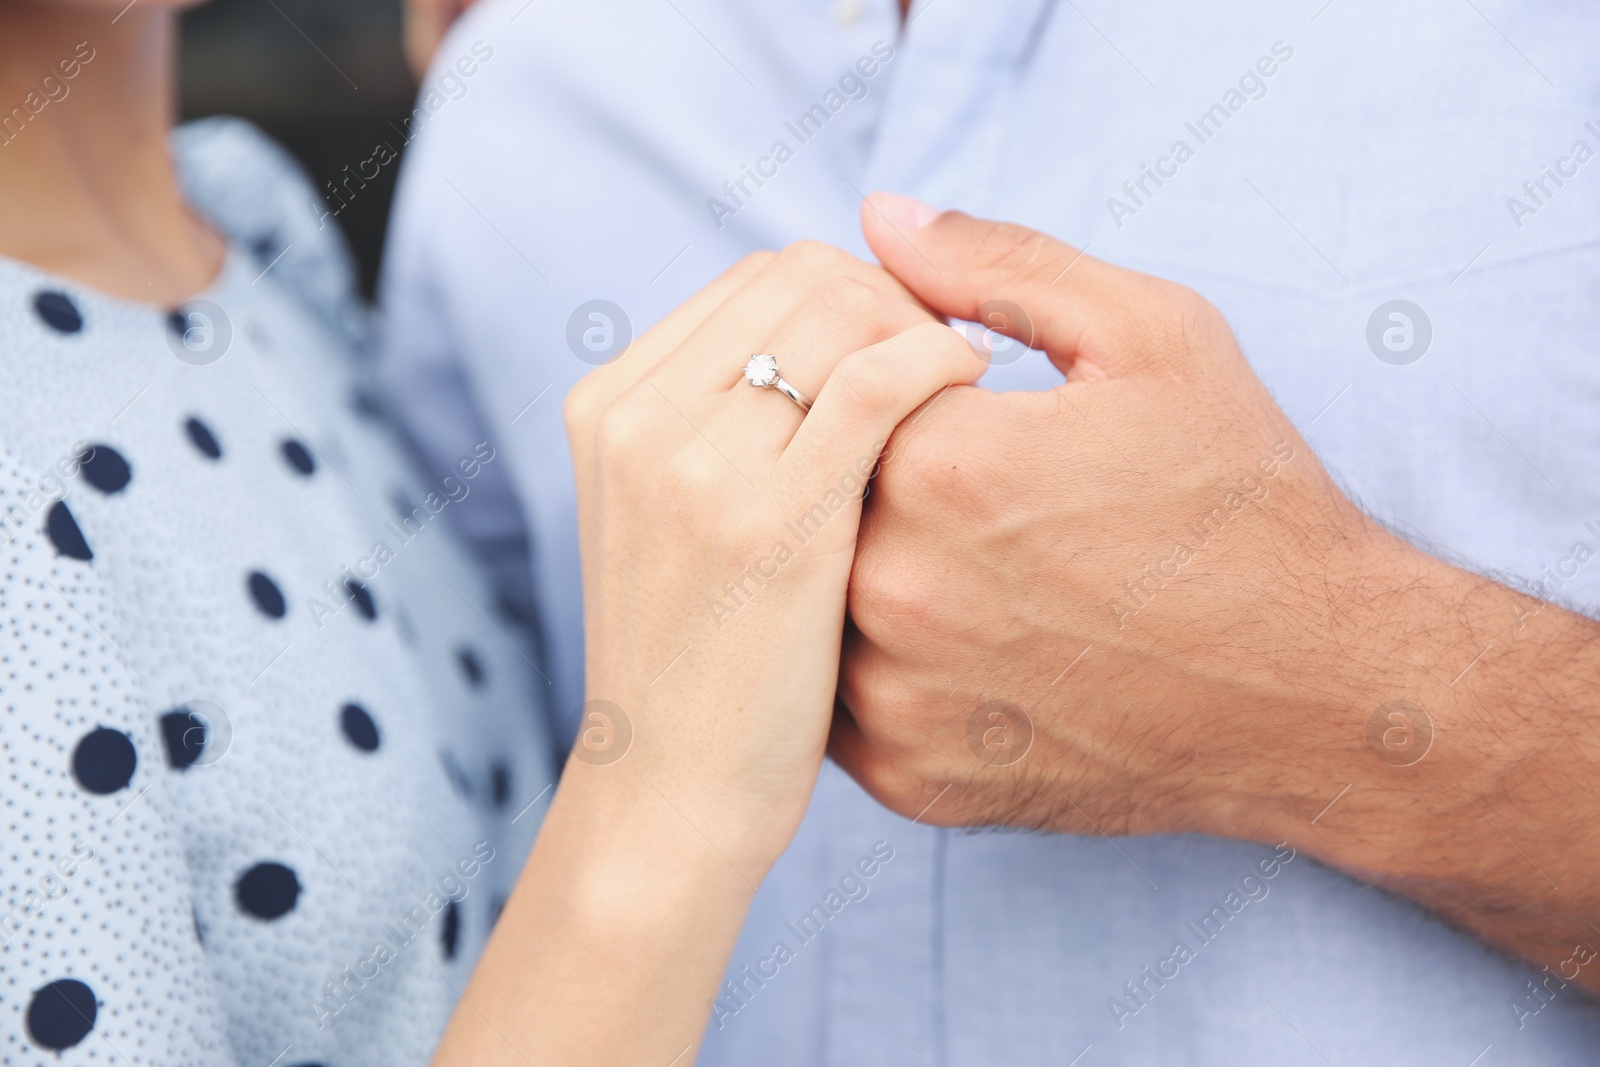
(761, 371)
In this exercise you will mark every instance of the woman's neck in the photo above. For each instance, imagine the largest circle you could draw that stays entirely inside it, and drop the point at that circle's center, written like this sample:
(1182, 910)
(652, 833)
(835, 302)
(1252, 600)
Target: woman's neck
(87, 185)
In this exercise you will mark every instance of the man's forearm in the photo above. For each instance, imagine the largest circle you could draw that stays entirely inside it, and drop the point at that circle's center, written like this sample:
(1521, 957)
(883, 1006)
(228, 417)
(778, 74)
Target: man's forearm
(1446, 745)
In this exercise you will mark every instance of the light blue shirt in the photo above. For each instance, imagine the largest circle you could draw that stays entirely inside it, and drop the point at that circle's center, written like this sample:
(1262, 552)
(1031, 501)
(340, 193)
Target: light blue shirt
(1302, 165)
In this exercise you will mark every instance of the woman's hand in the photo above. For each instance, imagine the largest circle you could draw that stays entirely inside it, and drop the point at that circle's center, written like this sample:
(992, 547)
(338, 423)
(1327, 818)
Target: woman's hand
(718, 527)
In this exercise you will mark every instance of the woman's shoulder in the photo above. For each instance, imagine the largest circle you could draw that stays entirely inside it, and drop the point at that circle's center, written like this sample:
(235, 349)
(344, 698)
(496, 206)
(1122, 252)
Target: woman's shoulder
(260, 198)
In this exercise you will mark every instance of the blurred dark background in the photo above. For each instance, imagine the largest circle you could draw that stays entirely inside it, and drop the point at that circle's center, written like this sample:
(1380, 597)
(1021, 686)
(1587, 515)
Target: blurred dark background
(326, 78)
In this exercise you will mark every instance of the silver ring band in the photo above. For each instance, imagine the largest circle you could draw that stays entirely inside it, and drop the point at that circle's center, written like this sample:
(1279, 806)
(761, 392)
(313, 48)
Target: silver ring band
(761, 371)
(792, 393)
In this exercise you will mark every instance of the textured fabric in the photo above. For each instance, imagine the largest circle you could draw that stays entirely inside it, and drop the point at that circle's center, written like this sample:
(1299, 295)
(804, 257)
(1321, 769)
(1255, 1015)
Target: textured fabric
(261, 777)
(1342, 156)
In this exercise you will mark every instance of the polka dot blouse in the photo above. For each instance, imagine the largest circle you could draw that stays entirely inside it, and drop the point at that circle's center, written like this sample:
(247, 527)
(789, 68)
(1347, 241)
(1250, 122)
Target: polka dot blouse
(270, 755)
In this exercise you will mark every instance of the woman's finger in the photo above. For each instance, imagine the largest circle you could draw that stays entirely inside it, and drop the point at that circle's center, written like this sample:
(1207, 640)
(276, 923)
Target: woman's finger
(839, 317)
(712, 360)
(598, 390)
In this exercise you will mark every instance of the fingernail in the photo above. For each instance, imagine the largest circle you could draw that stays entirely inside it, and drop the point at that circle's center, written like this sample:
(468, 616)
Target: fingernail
(902, 212)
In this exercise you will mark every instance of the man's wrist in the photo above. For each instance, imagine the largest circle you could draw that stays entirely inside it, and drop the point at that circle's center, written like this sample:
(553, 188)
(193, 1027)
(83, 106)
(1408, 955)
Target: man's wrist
(1435, 742)
(1362, 697)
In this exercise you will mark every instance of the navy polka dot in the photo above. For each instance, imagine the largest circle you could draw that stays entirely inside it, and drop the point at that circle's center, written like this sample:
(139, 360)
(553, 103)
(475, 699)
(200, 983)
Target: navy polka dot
(58, 311)
(500, 778)
(511, 610)
(366, 405)
(267, 891)
(64, 534)
(61, 1014)
(268, 597)
(470, 667)
(451, 931)
(201, 437)
(105, 469)
(361, 598)
(184, 735)
(298, 456)
(266, 246)
(104, 761)
(358, 727)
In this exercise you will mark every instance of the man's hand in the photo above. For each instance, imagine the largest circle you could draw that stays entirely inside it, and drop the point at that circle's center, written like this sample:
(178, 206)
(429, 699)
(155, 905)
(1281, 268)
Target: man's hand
(1109, 562)
(1136, 604)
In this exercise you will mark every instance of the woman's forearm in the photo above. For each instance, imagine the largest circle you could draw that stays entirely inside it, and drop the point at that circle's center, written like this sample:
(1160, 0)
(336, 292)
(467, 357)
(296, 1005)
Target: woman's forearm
(613, 944)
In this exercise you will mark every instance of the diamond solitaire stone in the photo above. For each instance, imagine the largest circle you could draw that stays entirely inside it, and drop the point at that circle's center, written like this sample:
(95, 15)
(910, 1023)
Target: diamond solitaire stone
(762, 371)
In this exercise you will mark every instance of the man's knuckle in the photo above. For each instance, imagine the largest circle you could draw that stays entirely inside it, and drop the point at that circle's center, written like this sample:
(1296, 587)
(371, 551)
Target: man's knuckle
(1181, 301)
(929, 459)
(1167, 319)
(886, 587)
(886, 700)
(887, 780)
(1014, 250)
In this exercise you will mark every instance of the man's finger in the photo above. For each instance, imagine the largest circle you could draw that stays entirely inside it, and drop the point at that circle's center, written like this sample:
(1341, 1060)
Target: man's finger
(1092, 318)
